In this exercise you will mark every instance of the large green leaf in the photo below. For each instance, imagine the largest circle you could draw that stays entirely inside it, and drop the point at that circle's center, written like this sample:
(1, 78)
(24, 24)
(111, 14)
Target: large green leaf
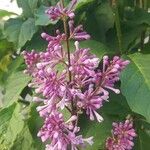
(130, 37)
(28, 7)
(24, 141)
(105, 19)
(26, 32)
(14, 86)
(117, 106)
(35, 122)
(81, 3)
(19, 32)
(42, 18)
(4, 62)
(5, 116)
(136, 84)
(5, 48)
(13, 26)
(143, 135)
(143, 139)
(97, 17)
(11, 125)
(137, 16)
(100, 131)
(13, 65)
(37, 43)
(14, 131)
(97, 48)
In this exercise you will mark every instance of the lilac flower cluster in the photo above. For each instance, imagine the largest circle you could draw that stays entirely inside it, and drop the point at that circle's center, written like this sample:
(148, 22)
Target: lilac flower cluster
(122, 136)
(80, 85)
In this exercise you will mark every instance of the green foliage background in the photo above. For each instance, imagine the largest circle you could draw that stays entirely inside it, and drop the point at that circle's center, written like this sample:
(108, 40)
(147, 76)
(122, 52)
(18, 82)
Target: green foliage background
(117, 28)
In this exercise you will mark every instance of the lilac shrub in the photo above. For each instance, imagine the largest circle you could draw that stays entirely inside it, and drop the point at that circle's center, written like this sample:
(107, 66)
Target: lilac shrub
(79, 86)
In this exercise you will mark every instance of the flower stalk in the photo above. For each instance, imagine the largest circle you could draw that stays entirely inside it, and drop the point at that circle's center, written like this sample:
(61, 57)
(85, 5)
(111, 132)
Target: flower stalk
(118, 25)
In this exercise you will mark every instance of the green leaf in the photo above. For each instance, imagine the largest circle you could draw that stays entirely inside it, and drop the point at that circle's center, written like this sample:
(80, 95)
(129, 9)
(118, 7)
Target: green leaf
(11, 125)
(28, 7)
(12, 67)
(137, 16)
(37, 43)
(42, 19)
(4, 62)
(100, 131)
(4, 13)
(15, 84)
(35, 122)
(12, 29)
(24, 140)
(81, 3)
(105, 19)
(5, 48)
(142, 140)
(130, 36)
(26, 32)
(19, 32)
(97, 48)
(117, 106)
(14, 131)
(136, 84)
(5, 116)
(143, 135)
(146, 49)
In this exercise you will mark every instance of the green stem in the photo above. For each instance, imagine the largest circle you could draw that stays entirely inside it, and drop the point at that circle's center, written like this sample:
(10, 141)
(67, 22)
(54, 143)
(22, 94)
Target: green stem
(143, 5)
(118, 25)
(68, 47)
(68, 50)
(67, 41)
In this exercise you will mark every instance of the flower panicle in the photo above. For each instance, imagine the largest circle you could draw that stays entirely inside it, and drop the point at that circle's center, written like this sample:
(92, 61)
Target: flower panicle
(87, 90)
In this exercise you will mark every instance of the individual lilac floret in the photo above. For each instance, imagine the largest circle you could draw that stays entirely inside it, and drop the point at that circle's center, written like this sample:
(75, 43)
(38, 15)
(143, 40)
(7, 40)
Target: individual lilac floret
(61, 134)
(77, 33)
(123, 134)
(53, 40)
(58, 11)
(31, 59)
(52, 57)
(91, 101)
(83, 62)
(48, 83)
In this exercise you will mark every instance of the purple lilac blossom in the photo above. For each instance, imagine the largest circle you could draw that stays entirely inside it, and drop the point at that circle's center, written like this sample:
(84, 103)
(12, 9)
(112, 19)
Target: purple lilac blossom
(122, 138)
(88, 87)
(77, 33)
(87, 90)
